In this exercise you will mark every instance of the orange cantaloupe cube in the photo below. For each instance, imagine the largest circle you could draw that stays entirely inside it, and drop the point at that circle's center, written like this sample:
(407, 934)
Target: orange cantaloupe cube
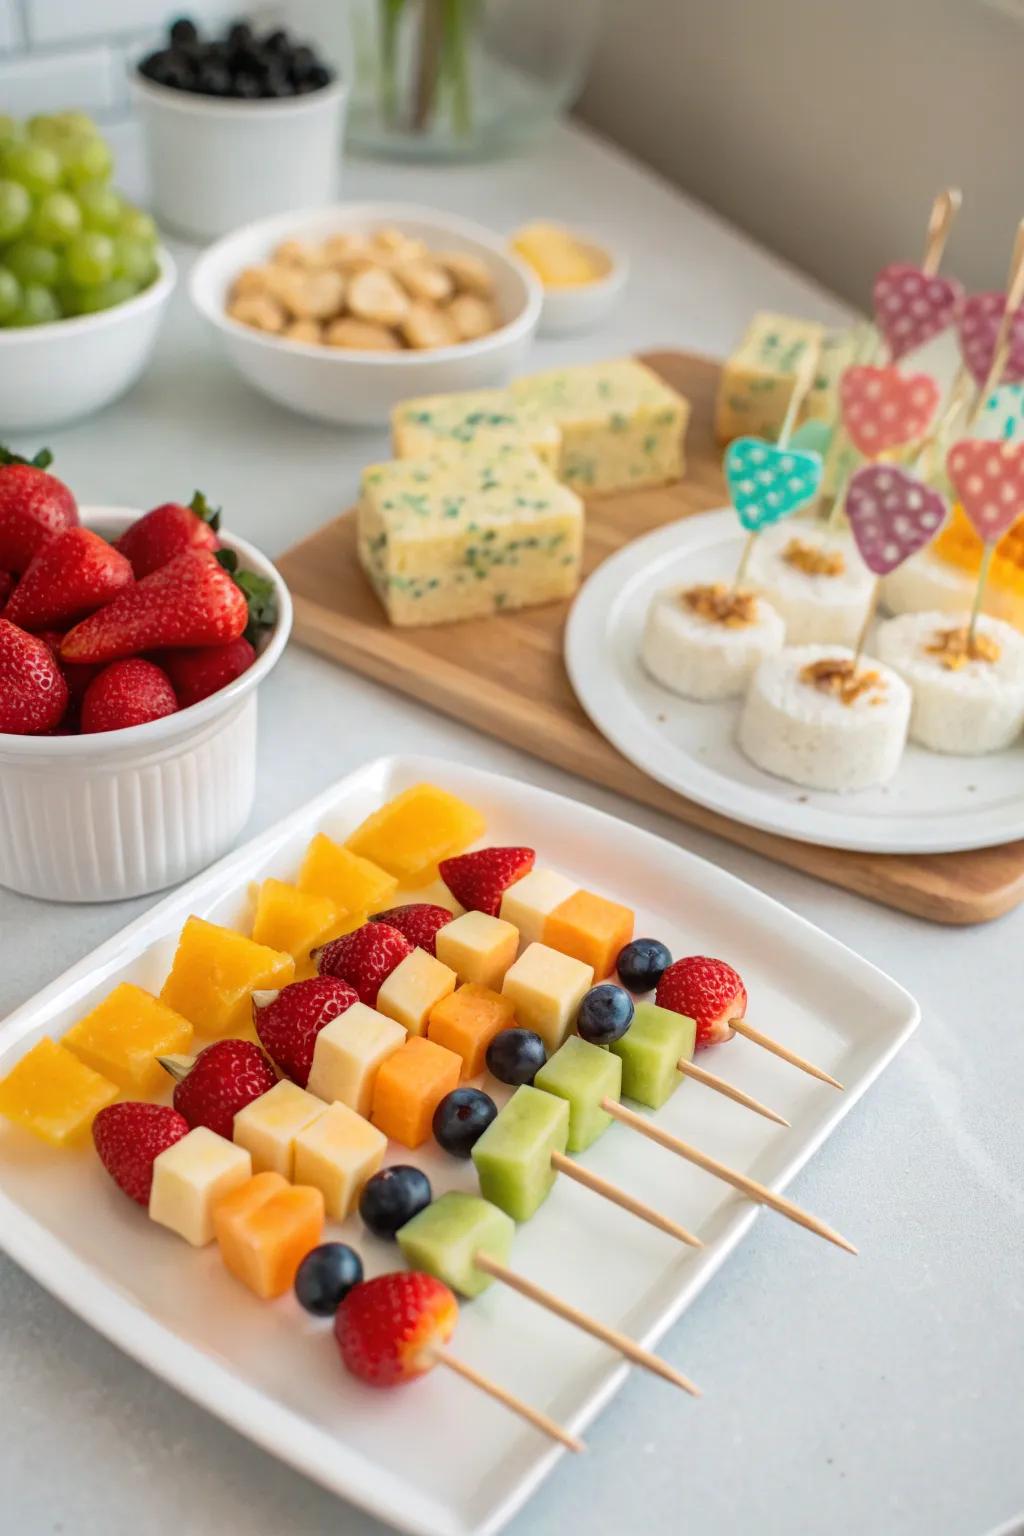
(355, 884)
(412, 833)
(123, 1036)
(590, 928)
(292, 920)
(467, 1021)
(410, 1084)
(53, 1094)
(214, 973)
(264, 1230)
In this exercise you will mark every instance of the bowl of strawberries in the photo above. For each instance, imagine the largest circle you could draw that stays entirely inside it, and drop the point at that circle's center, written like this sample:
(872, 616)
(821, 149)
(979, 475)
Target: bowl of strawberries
(131, 649)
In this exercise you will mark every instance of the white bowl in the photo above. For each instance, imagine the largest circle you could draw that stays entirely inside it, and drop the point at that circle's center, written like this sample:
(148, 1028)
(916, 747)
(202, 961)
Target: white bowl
(581, 308)
(214, 164)
(363, 387)
(55, 373)
(124, 813)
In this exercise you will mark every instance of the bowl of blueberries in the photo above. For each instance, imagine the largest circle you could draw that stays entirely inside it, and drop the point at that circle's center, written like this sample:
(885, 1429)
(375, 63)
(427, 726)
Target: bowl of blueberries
(237, 126)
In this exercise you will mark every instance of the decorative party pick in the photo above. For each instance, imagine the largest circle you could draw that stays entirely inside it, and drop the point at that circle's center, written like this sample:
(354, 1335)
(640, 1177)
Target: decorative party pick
(979, 330)
(1002, 414)
(989, 480)
(1002, 345)
(883, 408)
(892, 515)
(912, 306)
(769, 481)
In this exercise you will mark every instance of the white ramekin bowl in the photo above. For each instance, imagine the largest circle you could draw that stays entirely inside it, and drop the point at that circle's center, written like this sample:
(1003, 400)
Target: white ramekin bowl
(55, 373)
(362, 387)
(214, 164)
(124, 813)
(583, 307)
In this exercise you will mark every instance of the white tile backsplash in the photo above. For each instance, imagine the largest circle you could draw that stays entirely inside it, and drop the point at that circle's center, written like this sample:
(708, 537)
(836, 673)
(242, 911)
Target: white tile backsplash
(10, 26)
(88, 78)
(64, 21)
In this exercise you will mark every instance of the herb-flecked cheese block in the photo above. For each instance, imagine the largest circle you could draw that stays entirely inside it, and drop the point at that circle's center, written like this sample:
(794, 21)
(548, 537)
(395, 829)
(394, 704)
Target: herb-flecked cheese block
(473, 532)
(491, 418)
(757, 381)
(621, 426)
(839, 350)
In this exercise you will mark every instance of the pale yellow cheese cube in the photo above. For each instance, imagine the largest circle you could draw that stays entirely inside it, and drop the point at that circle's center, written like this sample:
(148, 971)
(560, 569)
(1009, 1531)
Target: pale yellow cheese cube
(478, 948)
(434, 424)
(348, 1054)
(758, 380)
(190, 1177)
(530, 902)
(415, 985)
(336, 1155)
(267, 1127)
(547, 988)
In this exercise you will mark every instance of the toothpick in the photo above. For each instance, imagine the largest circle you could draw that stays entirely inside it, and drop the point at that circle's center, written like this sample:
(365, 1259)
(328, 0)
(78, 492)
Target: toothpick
(861, 642)
(1001, 350)
(979, 592)
(506, 1398)
(619, 1197)
(747, 1186)
(570, 1314)
(944, 210)
(783, 1052)
(690, 1069)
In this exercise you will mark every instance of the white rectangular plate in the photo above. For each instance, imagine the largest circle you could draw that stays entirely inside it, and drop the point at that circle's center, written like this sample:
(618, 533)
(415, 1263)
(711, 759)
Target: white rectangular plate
(434, 1457)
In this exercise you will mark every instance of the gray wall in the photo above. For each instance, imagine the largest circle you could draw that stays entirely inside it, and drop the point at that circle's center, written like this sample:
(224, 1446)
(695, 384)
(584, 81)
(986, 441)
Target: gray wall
(824, 127)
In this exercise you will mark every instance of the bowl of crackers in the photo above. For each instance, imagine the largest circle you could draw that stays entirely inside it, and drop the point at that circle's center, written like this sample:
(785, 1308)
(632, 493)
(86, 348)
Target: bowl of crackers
(341, 313)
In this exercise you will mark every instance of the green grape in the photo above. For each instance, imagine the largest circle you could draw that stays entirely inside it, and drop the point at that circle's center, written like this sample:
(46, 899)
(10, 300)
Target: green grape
(105, 295)
(136, 225)
(10, 128)
(90, 258)
(134, 260)
(57, 219)
(78, 122)
(38, 306)
(10, 294)
(87, 160)
(45, 130)
(101, 207)
(32, 263)
(15, 207)
(34, 165)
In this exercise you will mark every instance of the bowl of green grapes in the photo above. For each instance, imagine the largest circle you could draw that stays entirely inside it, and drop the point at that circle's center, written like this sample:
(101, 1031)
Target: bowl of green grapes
(83, 279)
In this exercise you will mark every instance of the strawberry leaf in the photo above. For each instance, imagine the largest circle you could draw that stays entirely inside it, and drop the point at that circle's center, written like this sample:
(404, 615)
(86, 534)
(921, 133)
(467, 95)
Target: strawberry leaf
(202, 509)
(42, 460)
(258, 591)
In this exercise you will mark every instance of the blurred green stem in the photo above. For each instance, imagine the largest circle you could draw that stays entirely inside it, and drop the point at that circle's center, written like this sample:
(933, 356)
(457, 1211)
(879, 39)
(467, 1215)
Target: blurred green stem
(441, 59)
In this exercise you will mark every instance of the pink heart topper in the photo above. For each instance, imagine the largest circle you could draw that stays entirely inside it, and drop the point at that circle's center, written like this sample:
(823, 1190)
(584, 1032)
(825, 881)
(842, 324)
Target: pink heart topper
(912, 306)
(979, 327)
(892, 513)
(989, 480)
(883, 408)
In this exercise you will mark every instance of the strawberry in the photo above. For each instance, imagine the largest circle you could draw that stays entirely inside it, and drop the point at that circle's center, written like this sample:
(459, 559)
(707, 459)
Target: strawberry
(33, 693)
(289, 1021)
(167, 531)
(8, 582)
(129, 1136)
(385, 1327)
(196, 674)
(190, 601)
(69, 577)
(365, 957)
(707, 991)
(130, 692)
(419, 921)
(479, 880)
(212, 1087)
(33, 505)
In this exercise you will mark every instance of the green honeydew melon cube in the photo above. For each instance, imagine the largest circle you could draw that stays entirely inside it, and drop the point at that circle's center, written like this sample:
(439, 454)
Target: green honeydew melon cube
(584, 1075)
(654, 1043)
(513, 1156)
(445, 1237)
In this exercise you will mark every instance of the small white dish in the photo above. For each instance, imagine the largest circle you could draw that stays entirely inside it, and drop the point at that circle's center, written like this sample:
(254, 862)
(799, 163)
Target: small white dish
(584, 306)
(935, 804)
(124, 813)
(215, 164)
(435, 1457)
(339, 385)
(55, 373)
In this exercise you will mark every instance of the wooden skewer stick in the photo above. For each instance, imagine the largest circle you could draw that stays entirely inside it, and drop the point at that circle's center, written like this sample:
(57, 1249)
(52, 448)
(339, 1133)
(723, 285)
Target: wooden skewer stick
(944, 210)
(1001, 350)
(610, 1336)
(619, 1197)
(783, 1052)
(508, 1399)
(719, 1084)
(740, 1181)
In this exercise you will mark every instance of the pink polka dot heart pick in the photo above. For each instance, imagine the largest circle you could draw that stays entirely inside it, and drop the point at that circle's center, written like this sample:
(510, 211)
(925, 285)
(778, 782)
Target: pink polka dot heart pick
(979, 330)
(892, 515)
(989, 480)
(912, 306)
(883, 408)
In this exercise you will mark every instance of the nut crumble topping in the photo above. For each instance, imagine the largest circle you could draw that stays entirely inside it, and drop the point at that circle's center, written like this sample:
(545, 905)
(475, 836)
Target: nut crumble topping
(813, 560)
(720, 604)
(950, 648)
(837, 675)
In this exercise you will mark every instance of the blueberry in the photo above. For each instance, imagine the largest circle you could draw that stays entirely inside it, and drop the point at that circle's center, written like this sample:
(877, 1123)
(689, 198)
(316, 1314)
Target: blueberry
(641, 964)
(184, 30)
(605, 1014)
(461, 1119)
(316, 79)
(302, 62)
(240, 36)
(246, 87)
(393, 1197)
(325, 1277)
(277, 42)
(516, 1056)
(213, 79)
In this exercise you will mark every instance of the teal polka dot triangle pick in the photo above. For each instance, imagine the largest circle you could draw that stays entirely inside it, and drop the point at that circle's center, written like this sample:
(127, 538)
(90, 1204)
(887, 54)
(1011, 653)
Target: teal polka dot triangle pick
(767, 482)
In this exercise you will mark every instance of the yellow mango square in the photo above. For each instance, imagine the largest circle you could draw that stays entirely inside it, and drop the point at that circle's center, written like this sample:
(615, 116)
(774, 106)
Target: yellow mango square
(123, 1036)
(355, 884)
(53, 1094)
(416, 830)
(214, 973)
(292, 920)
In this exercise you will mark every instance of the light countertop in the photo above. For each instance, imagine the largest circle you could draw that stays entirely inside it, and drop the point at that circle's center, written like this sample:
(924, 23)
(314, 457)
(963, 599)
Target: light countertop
(883, 1395)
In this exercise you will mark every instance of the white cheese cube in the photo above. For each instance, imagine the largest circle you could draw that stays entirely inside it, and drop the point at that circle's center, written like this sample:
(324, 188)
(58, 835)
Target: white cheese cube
(547, 988)
(267, 1127)
(336, 1155)
(530, 902)
(414, 986)
(190, 1177)
(478, 948)
(348, 1053)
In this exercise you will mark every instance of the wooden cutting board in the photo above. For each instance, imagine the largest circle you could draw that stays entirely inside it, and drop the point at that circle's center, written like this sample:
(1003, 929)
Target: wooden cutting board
(505, 676)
